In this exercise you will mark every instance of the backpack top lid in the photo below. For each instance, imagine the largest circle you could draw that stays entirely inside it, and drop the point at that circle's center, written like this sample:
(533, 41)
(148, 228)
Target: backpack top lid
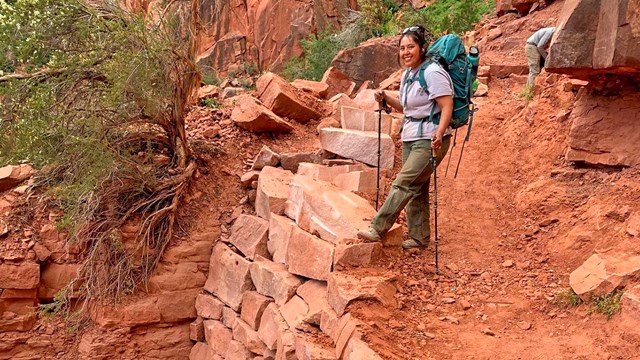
(447, 48)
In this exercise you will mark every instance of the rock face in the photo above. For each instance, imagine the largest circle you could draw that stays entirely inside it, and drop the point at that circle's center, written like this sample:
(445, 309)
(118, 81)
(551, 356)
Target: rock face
(265, 33)
(605, 130)
(596, 36)
(358, 65)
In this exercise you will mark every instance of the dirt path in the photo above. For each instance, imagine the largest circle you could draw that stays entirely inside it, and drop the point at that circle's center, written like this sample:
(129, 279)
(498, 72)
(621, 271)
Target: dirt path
(494, 296)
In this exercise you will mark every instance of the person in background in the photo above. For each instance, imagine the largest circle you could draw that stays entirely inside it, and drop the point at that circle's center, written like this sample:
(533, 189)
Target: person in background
(419, 136)
(536, 51)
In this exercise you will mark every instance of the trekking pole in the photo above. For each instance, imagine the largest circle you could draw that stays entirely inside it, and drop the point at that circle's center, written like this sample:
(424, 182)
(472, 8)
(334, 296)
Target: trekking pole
(455, 135)
(386, 109)
(435, 201)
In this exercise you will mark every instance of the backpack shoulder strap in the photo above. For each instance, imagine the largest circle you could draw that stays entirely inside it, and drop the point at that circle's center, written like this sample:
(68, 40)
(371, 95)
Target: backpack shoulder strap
(421, 79)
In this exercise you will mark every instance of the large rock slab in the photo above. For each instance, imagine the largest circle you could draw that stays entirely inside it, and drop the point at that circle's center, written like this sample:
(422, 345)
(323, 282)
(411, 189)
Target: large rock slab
(595, 37)
(357, 65)
(359, 145)
(273, 280)
(12, 175)
(272, 192)
(280, 229)
(344, 288)
(284, 99)
(314, 294)
(323, 209)
(54, 277)
(272, 325)
(23, 276)
(309, 256)
(251, 115)
(603, 273)
(338, 82)
(605, 129)
(250, 234)
(253, 305)
(229, 276)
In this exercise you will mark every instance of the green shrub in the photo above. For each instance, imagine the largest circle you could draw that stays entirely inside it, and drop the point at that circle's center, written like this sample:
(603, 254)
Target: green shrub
(452, 16)
(379, 17)
(608, 305)
(318, 52)
(567, 298)
(210, 102)
(526, 93)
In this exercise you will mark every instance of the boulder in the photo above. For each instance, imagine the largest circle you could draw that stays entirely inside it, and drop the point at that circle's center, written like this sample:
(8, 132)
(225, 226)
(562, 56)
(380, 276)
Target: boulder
(272, 192)
(209, 307)
(249, 234)
(251, 115)
(23, 276)
(285, 100)
(280, 229)
(338, 82)
(345, 288)
(272, 325)
(603, 273)
(366, 120)
(266, 157)
(596, 37)
(357, 62)
(359, 145)
(253, 305)
(229, 276)
(316, 88)
(218, 336)
(12, 175)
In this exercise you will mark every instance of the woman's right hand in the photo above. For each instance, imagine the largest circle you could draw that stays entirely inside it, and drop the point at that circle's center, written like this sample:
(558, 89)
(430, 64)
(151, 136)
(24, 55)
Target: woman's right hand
(379, 95)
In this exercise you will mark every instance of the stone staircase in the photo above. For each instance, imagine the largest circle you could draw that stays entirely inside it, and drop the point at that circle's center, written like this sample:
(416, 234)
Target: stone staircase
(279, 287)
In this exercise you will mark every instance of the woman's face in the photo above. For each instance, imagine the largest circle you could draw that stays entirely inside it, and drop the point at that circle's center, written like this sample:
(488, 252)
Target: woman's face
(410, 52)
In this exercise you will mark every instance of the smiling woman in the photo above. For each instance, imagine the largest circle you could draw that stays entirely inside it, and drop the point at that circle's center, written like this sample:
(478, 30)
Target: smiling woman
(422, 138)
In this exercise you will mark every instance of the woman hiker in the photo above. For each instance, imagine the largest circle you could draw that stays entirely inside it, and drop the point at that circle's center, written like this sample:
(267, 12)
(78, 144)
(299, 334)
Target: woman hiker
(419, 135)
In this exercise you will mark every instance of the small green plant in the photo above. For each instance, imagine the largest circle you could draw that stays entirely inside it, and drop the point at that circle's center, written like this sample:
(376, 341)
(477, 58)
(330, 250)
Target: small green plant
(246, 83)
(318, 52)
(379, 17)
(608, 305)
(452, 16)
(209, 76)
(250, 69)
(526, 93)
(56, 306)
(567, 298)
(232, 74)
(210, 103)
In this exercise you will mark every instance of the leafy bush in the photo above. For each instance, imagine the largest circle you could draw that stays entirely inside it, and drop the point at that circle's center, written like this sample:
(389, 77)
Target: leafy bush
(379, 17)
(608, 305)
(452, 16)
(97, 96)
(526, 93)
(318, 51)
(567, 298)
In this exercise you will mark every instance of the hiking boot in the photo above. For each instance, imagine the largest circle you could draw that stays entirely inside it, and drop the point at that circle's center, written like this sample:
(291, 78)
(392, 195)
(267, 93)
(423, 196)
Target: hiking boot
(413, 244)
(369, 235)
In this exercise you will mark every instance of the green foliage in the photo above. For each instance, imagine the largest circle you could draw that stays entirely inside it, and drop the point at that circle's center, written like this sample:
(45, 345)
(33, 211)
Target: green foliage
(210, 102)
(567, 298)
(318, 51)
(608, 305)
(250, 69)
(452, 16)
(526, 93)
(209, 76)
(379, 17)
(97, 93)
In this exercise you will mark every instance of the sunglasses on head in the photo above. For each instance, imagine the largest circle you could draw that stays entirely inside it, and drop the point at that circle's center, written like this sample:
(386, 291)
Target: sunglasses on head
(414, 29)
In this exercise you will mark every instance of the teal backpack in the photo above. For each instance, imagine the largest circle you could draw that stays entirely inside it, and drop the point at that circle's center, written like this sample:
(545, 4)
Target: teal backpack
(449, 52)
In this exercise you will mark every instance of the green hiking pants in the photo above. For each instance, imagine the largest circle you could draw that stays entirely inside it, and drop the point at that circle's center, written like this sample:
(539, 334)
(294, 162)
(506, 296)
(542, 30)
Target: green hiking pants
(533, 59)
(411, 189)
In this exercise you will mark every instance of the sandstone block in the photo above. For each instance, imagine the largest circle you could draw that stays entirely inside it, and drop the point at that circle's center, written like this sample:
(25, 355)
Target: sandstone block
(357, 181)
(229, 317)
(309, 256)
(266, 157)
(237, 351)
(294, 312)
(280, 229)
(291, 161)
(271, 325)
(314, 294)
(316, 88)
(229, 276)
(363, 120)
(200, 351)
(308, 350)
(359, 145)
(218, 336)
(248, 337)
(208, 307)
(250, 234)
(338, 82)
(54, 277)
(247, 178)
(196, 249)
(323, 209)
(196, 330)
(143, 311)
(251, 115)
(283, 99)
(286, 346)
(177, 306)
(357, 349)
(603, 273)
(23, 276)
(183, 276)
(273, 280)
(344, 288)
(253, 305)
(272, 192)
(356, 254)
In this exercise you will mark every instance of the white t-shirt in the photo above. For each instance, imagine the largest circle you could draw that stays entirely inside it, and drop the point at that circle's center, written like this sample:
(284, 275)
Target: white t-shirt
(418, 103)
